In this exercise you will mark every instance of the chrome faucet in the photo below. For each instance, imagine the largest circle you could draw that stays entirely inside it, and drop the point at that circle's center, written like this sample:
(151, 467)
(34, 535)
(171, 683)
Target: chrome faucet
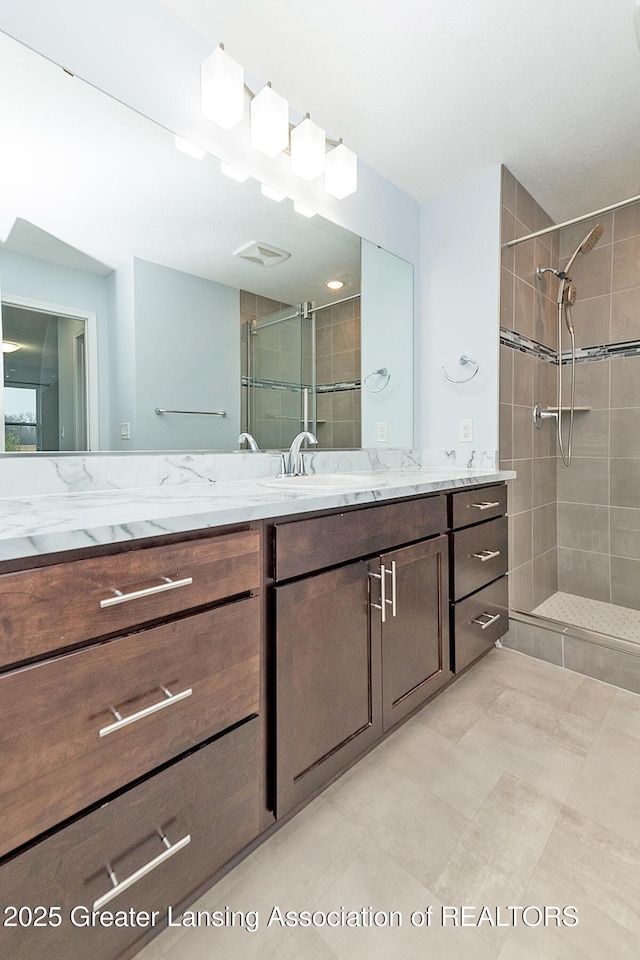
(295, 463)
(251, 442)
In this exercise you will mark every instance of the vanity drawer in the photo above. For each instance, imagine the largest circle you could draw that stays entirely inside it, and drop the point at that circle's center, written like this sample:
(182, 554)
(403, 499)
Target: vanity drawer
(62, 747)
(473, 506)
(479, 621)
(479, 556)
(61, 605)
(305, 545)
(210, 802)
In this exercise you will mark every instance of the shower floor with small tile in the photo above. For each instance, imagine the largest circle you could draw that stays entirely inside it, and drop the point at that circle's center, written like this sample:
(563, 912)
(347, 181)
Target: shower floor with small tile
(607, 618)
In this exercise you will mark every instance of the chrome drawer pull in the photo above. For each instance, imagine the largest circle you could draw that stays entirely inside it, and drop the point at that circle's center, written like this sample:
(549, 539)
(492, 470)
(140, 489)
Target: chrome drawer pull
(486, 623)
(120, 887)
(120, 597)
(125, 721)
(393, 600)
(485, 555)
(382, 606)
(485, 505)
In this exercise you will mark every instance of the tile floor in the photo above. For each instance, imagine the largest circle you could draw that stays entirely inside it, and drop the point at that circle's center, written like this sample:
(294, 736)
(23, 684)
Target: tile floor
(518, 786)
(609, 618)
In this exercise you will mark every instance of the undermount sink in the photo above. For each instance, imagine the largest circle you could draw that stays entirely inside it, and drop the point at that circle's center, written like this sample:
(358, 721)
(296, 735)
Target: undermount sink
(326, 481)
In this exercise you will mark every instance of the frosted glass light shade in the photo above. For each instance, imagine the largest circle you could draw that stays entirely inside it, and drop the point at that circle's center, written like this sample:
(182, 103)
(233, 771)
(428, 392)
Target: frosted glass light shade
(222, 89)
(341, 173)
(269, 122)
(239, 175)
(189, 148)
(302, 210)
(307, 150)
(270, 192)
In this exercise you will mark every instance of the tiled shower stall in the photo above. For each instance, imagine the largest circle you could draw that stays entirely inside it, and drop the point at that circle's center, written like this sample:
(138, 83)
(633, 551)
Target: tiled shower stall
(574, 530)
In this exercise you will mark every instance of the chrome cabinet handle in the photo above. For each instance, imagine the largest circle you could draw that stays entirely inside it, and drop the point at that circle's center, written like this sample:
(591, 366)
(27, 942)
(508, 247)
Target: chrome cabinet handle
(485, 505)
(485, 555)
(125, 721)
(122, 885)
(394, 597)
(483, 624)
(120, 597)
(382, 606)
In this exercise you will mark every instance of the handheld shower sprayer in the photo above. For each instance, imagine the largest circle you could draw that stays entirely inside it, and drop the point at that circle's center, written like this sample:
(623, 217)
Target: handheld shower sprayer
(567, 295)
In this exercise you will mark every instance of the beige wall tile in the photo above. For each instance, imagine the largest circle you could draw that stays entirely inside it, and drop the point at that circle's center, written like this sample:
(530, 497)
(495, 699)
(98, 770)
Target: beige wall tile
(544, 481)
(625, 314)
(626, 263)
(526, 209)
(625, 432)
(625, 532)
(590, 433)
(625, 483)
(570, 237)
(522, 433)
(545, 529)
(506, 374)
(585, 481)
(592, 319)
(625, 581)
(521, 588)
(520, 490)
(592, 385)
(545, 577)
(505, 431)
(534, 641)
(584, 574)
(592, 273)
(520, 539)
(508, 189)
(627, 222)
(524, 307)
(625, 382)
(583, 527)
(523, 378)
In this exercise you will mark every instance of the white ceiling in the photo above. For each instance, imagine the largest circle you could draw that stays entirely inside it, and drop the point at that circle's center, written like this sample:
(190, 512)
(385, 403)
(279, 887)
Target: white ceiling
(428, 93)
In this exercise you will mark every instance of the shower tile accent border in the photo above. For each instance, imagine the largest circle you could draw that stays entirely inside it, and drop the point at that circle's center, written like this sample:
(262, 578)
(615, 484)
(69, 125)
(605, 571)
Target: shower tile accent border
(605, 351)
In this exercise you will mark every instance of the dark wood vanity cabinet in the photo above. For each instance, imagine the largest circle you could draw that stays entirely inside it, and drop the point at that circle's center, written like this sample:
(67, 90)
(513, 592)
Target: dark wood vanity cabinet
(479, 595)
(360, 645)
(132, 740)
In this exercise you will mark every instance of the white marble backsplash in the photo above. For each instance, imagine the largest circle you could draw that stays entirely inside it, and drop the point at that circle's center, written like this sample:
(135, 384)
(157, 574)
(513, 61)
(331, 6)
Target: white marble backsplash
(23, 475)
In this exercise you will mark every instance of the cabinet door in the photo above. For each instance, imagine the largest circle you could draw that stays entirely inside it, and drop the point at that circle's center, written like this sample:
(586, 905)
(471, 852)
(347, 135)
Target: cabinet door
(328, 679)
(415, 634)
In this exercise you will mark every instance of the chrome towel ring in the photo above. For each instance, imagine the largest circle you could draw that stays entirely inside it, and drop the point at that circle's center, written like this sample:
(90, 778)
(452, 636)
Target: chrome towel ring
(463, 360)
(381, 372)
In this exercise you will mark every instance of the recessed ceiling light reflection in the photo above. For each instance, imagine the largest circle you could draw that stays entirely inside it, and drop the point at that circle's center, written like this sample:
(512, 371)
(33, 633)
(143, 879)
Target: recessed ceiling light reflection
(335, 284)
(8, 346)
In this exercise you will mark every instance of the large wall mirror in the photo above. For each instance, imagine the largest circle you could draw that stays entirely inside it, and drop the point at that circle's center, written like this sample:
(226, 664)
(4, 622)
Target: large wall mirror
(150, 302)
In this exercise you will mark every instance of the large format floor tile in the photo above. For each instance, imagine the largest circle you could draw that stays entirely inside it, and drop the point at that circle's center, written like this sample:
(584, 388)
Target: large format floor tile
(518, 786)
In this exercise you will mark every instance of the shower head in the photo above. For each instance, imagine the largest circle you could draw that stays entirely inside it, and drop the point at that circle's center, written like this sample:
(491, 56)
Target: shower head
(586, 246)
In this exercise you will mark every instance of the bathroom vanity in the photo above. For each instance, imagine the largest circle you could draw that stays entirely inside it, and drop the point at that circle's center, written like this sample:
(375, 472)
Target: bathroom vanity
(166, 700)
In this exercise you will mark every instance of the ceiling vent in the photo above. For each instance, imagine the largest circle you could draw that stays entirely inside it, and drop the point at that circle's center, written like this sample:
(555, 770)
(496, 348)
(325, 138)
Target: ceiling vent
(262, 253)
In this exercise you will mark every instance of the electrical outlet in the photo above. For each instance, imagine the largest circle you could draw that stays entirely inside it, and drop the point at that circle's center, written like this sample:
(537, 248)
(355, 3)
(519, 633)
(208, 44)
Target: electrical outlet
(382, 431)
(125, 431)
(465, 430)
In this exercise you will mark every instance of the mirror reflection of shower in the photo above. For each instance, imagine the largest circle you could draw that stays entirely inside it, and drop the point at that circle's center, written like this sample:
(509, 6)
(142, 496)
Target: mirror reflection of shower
(565, 299)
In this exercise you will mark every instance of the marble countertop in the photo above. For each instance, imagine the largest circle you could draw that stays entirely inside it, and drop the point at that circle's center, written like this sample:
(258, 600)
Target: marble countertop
(36, 525)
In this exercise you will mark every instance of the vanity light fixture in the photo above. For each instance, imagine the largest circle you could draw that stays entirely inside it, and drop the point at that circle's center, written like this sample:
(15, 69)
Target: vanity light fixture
(308, 149)
(239, 175)
(190, 148)
(222, 89)
(268, 191)
(8, 346)
(335, 284)
(269, 122)
(302, 210)
(223, 92)
(341, 172)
